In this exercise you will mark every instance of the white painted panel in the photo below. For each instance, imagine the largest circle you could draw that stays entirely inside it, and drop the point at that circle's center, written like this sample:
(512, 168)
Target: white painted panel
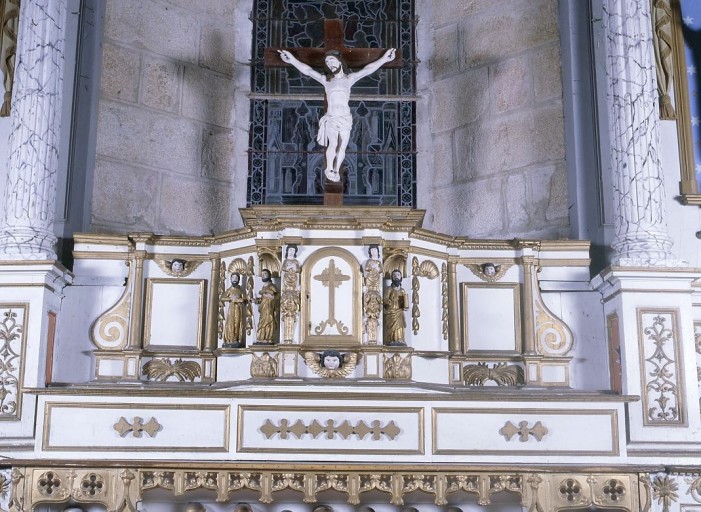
(90, 427)
(478, 431)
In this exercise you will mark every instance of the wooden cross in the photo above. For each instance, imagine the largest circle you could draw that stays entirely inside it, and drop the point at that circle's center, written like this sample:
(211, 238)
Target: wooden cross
(354, 57)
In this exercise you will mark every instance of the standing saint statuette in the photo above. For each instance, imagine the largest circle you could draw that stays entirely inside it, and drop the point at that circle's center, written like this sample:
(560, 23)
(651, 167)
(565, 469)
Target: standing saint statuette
(335, 125)
(396, 302)
(372, 294)
(234, 336)
(268, 306)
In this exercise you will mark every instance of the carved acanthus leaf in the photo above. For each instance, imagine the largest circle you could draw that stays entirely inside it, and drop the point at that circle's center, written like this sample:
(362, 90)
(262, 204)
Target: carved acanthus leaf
(501, 373)
(163, 369)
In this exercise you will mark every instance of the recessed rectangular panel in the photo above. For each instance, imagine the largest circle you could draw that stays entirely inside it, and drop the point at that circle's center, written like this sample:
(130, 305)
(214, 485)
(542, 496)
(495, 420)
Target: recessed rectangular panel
(174, 313)
(135, 427)
(491, 317)
(525, 431)
(334, 430)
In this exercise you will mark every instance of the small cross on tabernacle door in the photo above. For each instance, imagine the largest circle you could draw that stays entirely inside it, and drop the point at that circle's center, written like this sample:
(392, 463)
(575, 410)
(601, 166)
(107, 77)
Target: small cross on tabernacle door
(332, 277)
(354, 57)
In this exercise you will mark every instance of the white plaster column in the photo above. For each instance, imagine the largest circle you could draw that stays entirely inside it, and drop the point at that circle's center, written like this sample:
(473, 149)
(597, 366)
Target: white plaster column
(641, 237)
(30, 191)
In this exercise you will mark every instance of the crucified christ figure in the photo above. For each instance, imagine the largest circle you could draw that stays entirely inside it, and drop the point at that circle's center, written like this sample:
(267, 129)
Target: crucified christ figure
(335, 125)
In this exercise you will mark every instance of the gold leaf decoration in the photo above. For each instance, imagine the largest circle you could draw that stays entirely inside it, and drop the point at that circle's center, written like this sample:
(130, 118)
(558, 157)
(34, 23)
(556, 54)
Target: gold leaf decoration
(137, 427)
(163, 369)
(313, 361)
(238, 266)
(166, 266)
(477, 269)
(428, 269)
(509, 430)
(330, 429)
(501, 373)
(264, 366)
(110, 330)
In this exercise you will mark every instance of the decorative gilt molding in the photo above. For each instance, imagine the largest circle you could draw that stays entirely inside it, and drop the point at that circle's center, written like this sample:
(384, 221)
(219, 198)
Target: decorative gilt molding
(264, 366)
(92, 485)
(664, 490)
(239, 266)
(137, 427)
(313, 361)
(269, 258)
(444, 301)
(9, 17)
(111, 329)
(660, 367)
(250, 270)
(694, 488)
(663, 43)
(290, 296)
(188, 266)
(501, 373)
(162, 369)
(397, 367)
(426, 269)
(509, 430)
(478, 270)
(394, 259)
(50, 485)
(12, 346)
(330, 429)
(221, 290)
(372, 298)
(553, 336)
(123, 488)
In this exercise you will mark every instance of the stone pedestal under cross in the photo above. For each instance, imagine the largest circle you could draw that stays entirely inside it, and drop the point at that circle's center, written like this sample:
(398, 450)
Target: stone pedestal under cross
(316, 57)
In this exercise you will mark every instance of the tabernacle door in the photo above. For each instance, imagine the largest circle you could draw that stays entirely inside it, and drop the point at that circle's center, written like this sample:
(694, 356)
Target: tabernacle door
(331, 311)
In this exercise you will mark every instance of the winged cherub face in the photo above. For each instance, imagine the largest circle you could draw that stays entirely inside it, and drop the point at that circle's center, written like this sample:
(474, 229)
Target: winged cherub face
(331, 362)
(177, 266)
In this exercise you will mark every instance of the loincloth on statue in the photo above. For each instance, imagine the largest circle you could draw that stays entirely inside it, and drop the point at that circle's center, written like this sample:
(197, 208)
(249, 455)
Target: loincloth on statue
(339, 123)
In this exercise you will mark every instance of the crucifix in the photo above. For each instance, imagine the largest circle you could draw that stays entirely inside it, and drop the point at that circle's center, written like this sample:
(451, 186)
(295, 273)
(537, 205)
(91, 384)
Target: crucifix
(335, 126)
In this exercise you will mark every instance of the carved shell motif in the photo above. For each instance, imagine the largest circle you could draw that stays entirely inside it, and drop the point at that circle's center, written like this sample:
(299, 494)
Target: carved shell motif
(238, 266)
(428, 269)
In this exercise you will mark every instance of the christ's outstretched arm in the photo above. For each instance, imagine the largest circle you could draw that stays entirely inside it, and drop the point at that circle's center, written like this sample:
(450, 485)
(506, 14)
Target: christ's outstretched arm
(373, 66)
(303, 68)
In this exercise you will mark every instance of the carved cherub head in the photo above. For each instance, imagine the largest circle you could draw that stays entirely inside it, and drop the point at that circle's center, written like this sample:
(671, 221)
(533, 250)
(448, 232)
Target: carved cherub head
(331, 359)
(177, 266)
(490, 269)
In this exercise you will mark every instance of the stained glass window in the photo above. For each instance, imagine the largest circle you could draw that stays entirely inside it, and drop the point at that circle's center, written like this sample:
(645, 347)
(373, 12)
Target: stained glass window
(285, 162)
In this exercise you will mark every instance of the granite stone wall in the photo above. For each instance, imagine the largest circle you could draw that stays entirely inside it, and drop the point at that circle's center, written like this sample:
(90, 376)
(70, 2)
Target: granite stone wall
(492, 153)
(173, 116)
